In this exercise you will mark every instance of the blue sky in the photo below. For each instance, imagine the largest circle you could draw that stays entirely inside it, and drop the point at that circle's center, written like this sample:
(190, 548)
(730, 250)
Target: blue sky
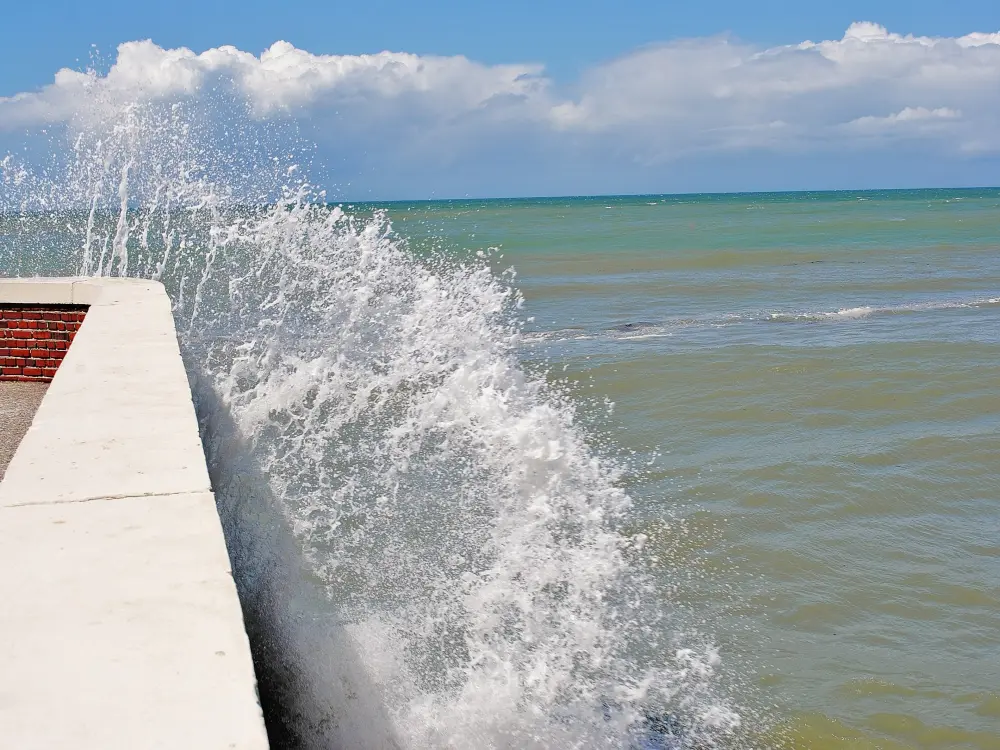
(556, 97)
(565, 36)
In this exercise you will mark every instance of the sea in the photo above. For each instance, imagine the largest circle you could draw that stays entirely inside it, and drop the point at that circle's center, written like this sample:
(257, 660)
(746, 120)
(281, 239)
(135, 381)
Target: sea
(810, 380)
(659, 471)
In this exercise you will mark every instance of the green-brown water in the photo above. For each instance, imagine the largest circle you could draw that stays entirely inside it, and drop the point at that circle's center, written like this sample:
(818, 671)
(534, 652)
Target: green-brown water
(819, 373)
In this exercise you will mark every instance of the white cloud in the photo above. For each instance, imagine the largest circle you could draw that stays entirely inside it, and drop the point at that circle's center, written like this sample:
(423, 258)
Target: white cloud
(281, 78)
(697, 94)
(652, 105)
(905, 117)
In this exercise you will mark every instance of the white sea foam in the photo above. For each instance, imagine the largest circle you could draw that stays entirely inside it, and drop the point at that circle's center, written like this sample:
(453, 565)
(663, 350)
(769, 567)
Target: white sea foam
(867, 311)
(847, 313)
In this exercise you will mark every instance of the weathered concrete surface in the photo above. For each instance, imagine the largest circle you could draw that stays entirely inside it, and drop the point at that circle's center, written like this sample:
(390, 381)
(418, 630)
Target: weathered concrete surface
(118, 413)
(18, 403)
(120, 624)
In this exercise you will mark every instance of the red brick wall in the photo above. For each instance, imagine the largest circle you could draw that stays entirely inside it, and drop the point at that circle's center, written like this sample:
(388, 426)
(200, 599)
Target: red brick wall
(34, 339)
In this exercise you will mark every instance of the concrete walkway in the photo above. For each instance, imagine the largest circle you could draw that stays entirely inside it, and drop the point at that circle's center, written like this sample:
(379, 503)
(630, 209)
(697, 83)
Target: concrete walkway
(18, 403)
(120, 626)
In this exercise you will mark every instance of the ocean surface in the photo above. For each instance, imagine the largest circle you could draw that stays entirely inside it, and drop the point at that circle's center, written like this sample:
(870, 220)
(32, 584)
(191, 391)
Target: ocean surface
(812, 379)
(573, 472)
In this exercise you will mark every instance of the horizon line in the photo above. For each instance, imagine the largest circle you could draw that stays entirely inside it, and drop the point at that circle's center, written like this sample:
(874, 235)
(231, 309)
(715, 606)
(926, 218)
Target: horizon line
(729, 193)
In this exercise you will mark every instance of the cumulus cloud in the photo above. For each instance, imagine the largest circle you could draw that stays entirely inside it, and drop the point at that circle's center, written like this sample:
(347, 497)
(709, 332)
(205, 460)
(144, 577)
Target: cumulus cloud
(721, 94)
(281, 79)
(653, 105)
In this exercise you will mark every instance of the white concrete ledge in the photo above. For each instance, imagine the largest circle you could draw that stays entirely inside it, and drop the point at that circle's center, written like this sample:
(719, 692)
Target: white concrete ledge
(119, 625)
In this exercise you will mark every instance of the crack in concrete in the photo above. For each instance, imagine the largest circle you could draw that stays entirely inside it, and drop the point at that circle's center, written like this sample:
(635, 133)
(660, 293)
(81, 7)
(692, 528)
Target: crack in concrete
(97, 498)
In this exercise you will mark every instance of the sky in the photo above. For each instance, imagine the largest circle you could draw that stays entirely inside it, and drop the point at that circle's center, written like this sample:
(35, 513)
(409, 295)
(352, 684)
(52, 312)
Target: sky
(454, 99)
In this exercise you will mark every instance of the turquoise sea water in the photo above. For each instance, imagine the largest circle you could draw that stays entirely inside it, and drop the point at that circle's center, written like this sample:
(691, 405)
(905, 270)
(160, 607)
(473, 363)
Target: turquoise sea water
(814, 377)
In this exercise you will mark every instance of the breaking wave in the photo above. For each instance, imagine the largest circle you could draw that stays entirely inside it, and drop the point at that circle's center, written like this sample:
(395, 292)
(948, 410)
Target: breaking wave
(428, 545)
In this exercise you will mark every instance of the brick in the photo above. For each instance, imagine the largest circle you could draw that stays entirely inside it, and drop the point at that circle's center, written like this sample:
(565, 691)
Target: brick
(30, 315)
(34, 371)
(11, 314)
(42, 334)
(49, 372)
(11, 370)
(19, 334)
(39, 353)
(20, 352)
(50, 315)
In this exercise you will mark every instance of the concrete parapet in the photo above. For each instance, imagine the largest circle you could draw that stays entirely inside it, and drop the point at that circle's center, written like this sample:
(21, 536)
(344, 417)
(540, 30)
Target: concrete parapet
(120, 624)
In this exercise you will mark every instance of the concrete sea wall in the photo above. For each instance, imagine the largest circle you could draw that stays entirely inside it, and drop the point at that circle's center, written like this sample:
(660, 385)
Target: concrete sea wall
(120, 625)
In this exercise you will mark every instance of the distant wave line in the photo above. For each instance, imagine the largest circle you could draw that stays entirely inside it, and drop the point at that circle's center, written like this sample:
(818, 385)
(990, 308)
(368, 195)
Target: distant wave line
(645, 329)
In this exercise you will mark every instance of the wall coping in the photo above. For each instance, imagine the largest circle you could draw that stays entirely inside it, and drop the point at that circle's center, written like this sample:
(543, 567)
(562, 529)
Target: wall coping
(120, 624)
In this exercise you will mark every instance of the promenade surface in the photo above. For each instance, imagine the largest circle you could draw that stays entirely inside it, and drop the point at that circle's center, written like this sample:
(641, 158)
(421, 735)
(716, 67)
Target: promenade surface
(120, 625)
(18, 404)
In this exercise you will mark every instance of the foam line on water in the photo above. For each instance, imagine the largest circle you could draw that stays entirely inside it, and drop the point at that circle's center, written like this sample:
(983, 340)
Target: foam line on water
(648, 330)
